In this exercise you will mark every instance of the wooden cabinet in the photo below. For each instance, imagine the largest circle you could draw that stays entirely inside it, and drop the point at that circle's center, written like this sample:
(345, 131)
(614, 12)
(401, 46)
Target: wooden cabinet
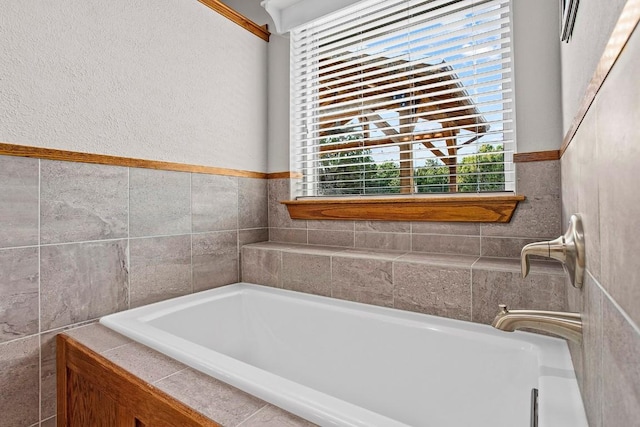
(92, 391)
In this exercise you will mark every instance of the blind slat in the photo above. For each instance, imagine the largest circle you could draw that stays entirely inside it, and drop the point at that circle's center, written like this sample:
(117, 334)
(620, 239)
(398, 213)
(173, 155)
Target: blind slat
(404, 94)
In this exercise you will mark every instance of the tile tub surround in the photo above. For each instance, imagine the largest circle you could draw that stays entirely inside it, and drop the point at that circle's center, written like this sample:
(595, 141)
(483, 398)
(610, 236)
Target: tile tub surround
(214, 399)
(78, 241)
(537, 218)
(457, 286)
(600, 181)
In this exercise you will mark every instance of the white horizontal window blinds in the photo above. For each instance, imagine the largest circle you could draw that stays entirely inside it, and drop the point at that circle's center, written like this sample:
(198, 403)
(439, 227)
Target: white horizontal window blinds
(404, 97)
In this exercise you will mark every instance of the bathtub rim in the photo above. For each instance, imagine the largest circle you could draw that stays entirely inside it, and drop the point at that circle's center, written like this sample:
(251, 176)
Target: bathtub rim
(557, 379)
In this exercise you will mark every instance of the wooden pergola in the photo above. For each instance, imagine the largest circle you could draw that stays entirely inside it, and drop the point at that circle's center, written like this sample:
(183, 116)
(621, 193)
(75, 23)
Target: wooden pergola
(420, 91)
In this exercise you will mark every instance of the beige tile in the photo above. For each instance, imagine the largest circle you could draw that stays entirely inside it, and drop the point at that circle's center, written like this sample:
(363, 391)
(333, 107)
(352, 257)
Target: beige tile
(620, 369)
(288, 235)
(82, 281)
(441, 291)
(331, 237)
(491, 287)
(592, 344)
(215, 260)
(587, 161)
(97, 337)
(271, 416)
(145, 363)
(536, 179)
(160, 269)
(513, 265)
(19, 361)
(330, 225)
(306, 273)
(252, 203)
(82, 202)
(51, 422)
(280, 246)
(390, 241)
(570, 179)
(383, 226)
(214, 202)
(246, 237)
(504, 247)
(437, 260)
(450, 244)
(159, 202)
(279, 190)
(48, 373)
(618, 107)
(19, 296)
(313, 249)
(536, 217)
(456, 228)
(19, 196)
(539, 216)
(222, 403)
(254, 235)
(371, 254)
(261, 266)
(365, 280)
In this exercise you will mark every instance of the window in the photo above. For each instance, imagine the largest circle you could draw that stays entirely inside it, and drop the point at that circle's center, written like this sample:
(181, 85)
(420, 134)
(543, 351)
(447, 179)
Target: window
(404, 97)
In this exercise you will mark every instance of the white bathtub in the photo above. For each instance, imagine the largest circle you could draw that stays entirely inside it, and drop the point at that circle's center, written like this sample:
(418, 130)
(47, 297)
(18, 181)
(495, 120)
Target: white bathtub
(338, 363)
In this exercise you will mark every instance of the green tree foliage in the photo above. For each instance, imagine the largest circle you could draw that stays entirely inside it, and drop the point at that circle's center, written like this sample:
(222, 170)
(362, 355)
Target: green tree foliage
(386, 179)
(483, 171)
(354, 173)
(346, 172)
(433, 177)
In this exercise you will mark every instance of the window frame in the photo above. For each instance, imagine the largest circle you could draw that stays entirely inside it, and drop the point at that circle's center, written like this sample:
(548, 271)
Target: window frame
(448, 207)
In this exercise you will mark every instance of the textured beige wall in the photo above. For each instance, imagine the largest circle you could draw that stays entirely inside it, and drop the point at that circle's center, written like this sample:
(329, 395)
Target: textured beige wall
(171, 81)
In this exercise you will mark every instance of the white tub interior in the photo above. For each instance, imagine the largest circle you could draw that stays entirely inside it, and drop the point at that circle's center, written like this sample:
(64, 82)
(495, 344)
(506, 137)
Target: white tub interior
(342, 363)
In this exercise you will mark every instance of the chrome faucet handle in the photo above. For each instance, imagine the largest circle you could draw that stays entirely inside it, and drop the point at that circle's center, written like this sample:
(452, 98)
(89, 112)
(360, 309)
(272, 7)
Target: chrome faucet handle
(568, 249)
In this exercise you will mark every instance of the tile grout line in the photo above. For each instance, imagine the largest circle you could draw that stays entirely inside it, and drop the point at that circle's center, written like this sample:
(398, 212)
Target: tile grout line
(19, 247)
(170, 375)
(39, 295)
(617, 306)
(331, 275)
(191, 228)
(238, 229)
(266, 405)
(129, 237)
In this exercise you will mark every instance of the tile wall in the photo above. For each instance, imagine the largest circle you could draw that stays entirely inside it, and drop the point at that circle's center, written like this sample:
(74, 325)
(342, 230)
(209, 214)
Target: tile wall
(79, 241)
(600, 181)
(537, 218)
(460, 287)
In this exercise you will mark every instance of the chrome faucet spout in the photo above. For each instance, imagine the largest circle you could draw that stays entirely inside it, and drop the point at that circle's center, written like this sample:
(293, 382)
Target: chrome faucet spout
(566, 325)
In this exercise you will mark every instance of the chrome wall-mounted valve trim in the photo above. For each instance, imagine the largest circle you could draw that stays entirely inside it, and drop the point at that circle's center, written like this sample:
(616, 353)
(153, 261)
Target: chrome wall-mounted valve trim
(566, 325)
(569, 249)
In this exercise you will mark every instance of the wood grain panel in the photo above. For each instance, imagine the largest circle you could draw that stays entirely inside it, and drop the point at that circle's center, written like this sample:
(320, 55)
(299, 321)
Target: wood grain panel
(287, 174)
(88, 406)
(101, 159)
(489, 208)
(536, 156)
(88, 381)
(627, 23)
(239, 19)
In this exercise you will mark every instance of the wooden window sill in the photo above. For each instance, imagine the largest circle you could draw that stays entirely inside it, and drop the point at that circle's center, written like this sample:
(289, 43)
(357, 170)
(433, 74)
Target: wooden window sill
(457, 208)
